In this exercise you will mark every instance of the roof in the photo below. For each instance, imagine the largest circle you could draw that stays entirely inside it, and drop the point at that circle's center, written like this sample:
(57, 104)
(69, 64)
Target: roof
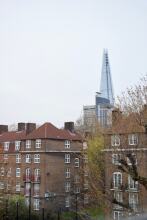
(12, 136)
(47, 130)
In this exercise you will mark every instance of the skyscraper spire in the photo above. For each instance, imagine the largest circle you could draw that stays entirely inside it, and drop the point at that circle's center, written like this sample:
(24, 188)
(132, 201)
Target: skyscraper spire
(106, 88)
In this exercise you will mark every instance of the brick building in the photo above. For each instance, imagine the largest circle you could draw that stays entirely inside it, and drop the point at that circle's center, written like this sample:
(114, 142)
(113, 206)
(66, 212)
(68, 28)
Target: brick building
(126, 139)
(43, 164)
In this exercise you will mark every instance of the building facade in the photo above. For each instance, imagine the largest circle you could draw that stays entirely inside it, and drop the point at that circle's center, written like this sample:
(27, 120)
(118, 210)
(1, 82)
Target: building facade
(125, 163)
(43, 164)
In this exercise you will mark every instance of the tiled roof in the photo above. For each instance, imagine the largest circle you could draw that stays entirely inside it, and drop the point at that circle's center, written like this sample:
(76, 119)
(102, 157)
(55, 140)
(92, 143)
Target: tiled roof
(12, 136)
(48, 130)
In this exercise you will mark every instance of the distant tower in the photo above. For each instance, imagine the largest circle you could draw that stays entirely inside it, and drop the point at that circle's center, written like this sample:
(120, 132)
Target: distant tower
(106, 87)
(104, 101)
(101, 112)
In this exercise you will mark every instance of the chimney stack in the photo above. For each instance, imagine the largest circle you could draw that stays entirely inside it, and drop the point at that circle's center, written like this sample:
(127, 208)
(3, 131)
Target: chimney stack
(21, 126)
(30, 127)
(3, 128)
(69, 126)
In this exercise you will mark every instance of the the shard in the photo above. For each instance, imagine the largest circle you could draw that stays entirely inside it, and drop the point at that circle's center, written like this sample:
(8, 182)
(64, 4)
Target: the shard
(106, 87)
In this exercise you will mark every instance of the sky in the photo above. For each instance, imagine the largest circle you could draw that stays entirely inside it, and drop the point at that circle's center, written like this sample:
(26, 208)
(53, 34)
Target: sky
(51, 55)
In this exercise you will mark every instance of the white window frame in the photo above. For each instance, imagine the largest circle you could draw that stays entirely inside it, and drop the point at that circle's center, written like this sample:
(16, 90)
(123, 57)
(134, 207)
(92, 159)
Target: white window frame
(18, 187)
(2, 185)
(86, 199)
(67, 186)
(117, 183)
(6, 146)
(5, 157)
(17, 145)
(116, 158)
(85, 157)
(133, 139)
(28, 144)
(77, 162)
(67, 144)
(36, 158)
(117, 215)
(67, 158)
(67, 202)
(2, 171)
(9, 172)
(115, 140)
(77, 189)
(132, 184)
(38, 143)
(76, 179)
(28, 158)
(67, 172)
(18, 158)
(18, 172)
(36, 204)
(36, 189)
(86, 184)
(133, 200)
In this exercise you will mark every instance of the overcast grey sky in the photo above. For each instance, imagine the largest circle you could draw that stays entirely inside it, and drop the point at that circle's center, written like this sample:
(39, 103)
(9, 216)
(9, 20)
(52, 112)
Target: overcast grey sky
(51, 54)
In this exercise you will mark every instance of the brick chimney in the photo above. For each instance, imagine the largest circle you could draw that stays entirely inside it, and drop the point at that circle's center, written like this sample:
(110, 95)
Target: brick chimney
(3, 128)
(30, 127)
(116, 116)
(69, 126)
(21, 126)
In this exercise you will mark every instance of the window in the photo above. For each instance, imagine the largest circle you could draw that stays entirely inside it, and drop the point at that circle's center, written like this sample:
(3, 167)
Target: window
(28, 158)
(37, 174)
(27, 189)
(77, 190)
(86, 198)
(6, 146)
(67, 186)
(86, 184)
(117, 215)
(2, 171)
(36, 189)
(67, 158)
(17, 145)
(38, 143)
(132, 184)
(85, 145)
(118, 197)
(133, 201)
(67, 173)
(67, 144)
(116, 158)
(2, 186)
(27, 177)
(117, 180)
(85, 172)
(133, 139)
(17, 172)
(77, 162)
(5, 157)
(17, 187)
(36, 204)
(115, 140)
(85, 157)
(18, 158)
(131, 158)
(9, 172)
(28, 144)
(36, 158)
(27, 201)
(77, 179)
(67, 202)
